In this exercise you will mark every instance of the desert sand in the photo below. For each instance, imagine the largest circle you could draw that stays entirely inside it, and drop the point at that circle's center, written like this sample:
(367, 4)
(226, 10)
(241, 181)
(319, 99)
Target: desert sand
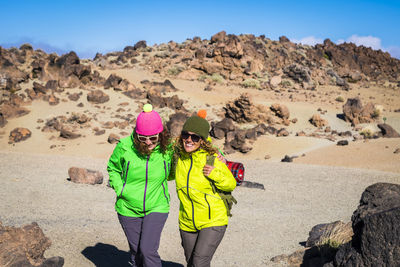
(84, 229)
(324, 183)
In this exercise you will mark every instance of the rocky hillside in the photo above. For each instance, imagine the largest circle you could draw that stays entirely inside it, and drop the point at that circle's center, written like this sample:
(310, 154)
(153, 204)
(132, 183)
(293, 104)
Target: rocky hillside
(259, 62)
(246, 60)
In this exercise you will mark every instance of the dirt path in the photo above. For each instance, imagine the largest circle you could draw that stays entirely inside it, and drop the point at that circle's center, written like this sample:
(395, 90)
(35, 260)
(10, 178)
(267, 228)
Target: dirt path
(81, 222)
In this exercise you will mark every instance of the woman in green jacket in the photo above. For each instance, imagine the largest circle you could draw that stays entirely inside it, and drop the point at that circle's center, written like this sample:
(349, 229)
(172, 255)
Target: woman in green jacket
(202, 214)
(138, 170)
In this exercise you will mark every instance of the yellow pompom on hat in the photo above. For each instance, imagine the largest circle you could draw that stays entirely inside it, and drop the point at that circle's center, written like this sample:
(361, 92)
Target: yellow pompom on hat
(198, 124)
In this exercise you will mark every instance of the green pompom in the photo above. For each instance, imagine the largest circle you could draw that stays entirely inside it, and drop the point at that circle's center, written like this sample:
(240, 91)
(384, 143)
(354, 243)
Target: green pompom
(147, 108)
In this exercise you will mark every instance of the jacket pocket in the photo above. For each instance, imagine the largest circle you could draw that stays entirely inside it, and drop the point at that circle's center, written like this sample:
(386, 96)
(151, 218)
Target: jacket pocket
(209, 207)
(126, 178)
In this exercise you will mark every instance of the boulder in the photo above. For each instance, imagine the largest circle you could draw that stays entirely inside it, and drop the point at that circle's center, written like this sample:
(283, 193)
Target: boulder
(242, 110)
(236, 140)
(298, 73)
(317, 121)
(218, 37)
(135, 94)
(25, 246)
(140, 45)
(388, 131)
(287, 158)
(280, 110)
(19, 134)
(335, 232)
(320, 247)
(68, 134)
(342, 143)
(97, 97)
(282, 132)
(219, 129)
(85, 176)
(162, 87)
(256, 131)
(38, 88)
(375, 223)
(113, 138)
(157, 100)
(112, 81)
(74, 96)
(175, 123)
(356, 113)
(275, 81)
(12, 111)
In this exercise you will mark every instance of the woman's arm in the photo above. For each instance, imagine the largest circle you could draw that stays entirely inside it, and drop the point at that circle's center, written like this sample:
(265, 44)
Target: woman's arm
(114, 168)
(222, 176)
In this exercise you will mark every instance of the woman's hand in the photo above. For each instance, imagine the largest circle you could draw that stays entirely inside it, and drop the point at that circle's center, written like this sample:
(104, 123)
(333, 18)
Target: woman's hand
(207, 170)
(221, 158)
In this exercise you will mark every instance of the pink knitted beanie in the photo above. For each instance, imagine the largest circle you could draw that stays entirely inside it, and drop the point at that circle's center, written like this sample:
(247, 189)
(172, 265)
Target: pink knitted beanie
(148, 121)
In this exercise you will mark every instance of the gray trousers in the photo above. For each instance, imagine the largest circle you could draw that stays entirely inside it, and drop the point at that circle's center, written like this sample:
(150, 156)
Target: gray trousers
(199, 247)
(143, 234)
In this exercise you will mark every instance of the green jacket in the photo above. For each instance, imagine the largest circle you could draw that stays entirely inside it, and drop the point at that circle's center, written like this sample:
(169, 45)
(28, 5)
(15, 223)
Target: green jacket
(140, 182)
(200, 207)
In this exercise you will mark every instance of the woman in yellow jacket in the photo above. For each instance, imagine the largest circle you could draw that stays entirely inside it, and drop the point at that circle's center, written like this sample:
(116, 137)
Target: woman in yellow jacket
(202, 214)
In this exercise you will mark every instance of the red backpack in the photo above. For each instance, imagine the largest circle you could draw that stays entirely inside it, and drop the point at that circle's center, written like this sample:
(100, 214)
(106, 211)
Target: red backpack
(237, 170)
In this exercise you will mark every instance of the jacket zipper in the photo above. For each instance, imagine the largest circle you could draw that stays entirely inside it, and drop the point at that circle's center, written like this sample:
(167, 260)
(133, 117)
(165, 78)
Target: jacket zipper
(209, 208)
(187, 190)
(165, 169)
(145, 187)
(126, 178)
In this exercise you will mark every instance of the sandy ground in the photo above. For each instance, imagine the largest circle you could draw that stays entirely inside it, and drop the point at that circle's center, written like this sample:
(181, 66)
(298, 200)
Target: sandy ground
(80, 219)
(81, 222)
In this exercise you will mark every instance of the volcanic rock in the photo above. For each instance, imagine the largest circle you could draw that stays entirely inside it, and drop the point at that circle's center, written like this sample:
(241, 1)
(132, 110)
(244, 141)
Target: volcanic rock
(242, 110)
(68, 134)
(388, 131)
(343, 143)
(85, 176)
(12, 111)
(175, 123)
(280, 110)
(317, 121)
(19, 134)
(338, 232)
(25, 246)
(113, 138)
(97, 97)
(219, 129)
(375, 223)
(356, 113)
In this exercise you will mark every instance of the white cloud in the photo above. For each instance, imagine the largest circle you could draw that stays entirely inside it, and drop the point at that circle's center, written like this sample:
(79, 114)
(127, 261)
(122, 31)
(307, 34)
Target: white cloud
(373, 42)
(367, 41)
(309, 40)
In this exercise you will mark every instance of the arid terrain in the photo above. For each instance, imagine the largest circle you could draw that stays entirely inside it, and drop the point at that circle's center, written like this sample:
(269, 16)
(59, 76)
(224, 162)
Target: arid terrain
(332, 110)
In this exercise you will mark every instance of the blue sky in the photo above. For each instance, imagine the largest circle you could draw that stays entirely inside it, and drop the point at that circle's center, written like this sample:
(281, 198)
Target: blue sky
(90, 26)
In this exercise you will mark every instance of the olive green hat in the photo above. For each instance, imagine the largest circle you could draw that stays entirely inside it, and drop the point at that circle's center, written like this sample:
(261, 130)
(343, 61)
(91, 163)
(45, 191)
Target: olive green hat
(198, 124)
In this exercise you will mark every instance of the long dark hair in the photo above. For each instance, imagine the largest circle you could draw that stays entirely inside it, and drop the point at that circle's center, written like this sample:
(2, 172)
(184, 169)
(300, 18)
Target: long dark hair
(163, 141)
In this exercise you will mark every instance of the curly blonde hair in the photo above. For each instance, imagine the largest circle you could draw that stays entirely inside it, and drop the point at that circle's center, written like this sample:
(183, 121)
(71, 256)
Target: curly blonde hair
(204, 144)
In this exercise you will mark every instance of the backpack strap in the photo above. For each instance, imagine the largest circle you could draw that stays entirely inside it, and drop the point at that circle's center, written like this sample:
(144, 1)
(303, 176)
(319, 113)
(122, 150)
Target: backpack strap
(226, 197)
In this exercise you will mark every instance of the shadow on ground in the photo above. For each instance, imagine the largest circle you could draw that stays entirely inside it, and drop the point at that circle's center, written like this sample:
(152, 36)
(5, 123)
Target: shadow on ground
(104, 255)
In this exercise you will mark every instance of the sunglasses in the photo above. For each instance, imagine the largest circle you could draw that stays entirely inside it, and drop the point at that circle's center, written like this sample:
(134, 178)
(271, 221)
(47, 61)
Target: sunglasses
(144, 138)
(195, 138)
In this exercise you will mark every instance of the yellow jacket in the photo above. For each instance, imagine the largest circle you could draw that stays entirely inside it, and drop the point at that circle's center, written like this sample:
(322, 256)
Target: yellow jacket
(199, 206)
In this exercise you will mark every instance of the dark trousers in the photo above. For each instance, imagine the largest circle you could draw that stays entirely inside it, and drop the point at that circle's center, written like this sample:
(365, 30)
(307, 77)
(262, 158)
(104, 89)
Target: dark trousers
(200, 246)
(143, 236)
